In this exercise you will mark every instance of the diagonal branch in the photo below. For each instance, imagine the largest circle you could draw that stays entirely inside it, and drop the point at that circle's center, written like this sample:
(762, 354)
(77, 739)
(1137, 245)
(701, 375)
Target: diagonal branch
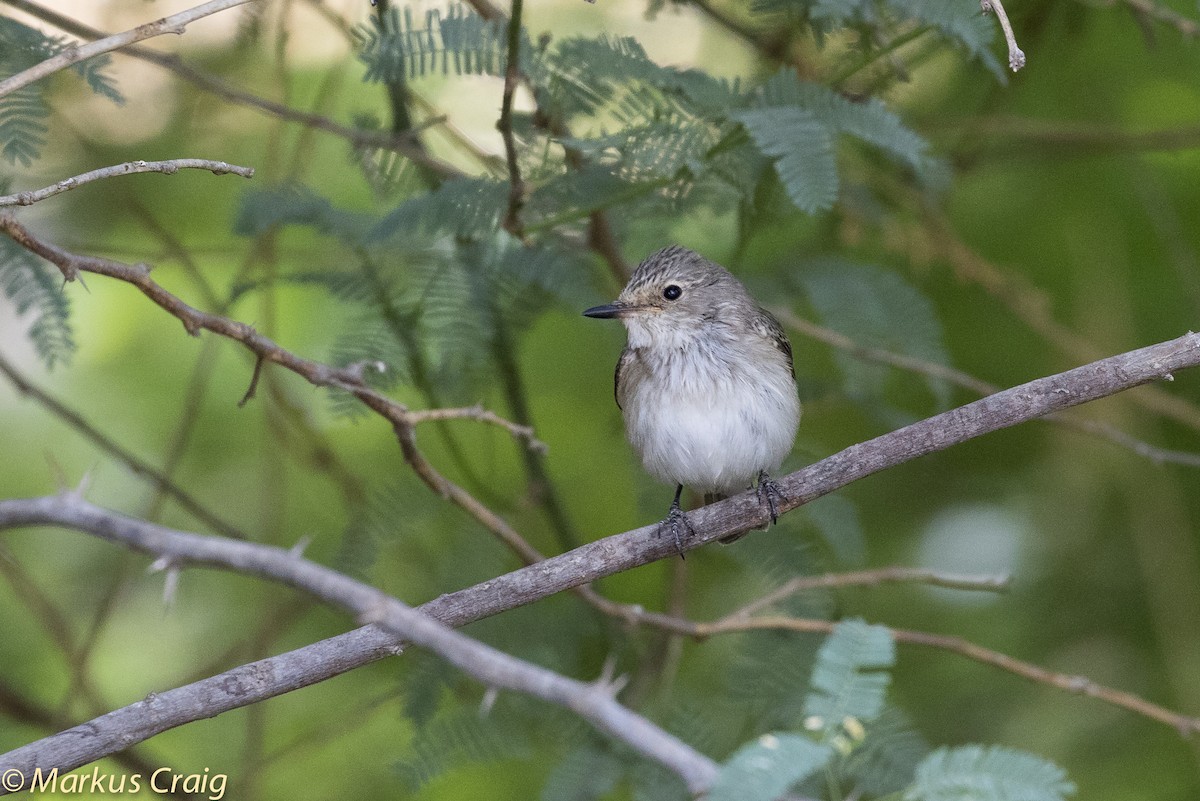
(169, 167)
(176, 23)
(594, 702)
(276, 675)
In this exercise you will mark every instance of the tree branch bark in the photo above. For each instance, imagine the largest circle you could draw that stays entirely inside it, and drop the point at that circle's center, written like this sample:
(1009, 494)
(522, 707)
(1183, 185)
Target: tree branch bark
(176, 23)
(276, 675)
(115, 731)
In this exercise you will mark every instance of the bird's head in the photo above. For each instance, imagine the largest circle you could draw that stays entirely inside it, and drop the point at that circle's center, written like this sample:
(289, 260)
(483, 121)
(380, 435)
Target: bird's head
(672, 296)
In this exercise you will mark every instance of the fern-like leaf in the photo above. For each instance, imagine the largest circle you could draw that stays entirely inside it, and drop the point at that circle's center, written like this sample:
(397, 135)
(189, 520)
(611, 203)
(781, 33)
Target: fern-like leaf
(32, 286)
(22, 113)
(586, 773)
(975, 773)
(961, 22)
(396, 50)
(458, 737)
(886, 760)
(849, 679)
(766, 768)
(803, 152)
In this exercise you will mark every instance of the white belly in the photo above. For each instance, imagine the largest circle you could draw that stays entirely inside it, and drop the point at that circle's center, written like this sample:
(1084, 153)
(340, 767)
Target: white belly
(713, 435)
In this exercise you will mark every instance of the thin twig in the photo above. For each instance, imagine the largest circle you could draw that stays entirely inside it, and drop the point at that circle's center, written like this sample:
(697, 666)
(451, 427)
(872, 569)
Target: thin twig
(402, 144)
(1080, 685)
(871, 578)
(349, 378)
(512, 75)
(175, 23)
(169, 167)
(477, 412)
(1016, 57)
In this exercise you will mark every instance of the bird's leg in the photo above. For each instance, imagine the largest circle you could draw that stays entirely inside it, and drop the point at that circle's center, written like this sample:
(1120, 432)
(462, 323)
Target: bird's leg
(769, 492)
(676, 519)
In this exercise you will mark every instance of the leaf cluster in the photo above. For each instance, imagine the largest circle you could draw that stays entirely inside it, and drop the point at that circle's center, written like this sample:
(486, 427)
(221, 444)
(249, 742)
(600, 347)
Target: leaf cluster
(23, 113)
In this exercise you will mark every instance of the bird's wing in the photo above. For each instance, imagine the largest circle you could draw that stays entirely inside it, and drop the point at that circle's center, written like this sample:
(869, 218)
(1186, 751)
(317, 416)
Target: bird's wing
(767, 326)
(626, 357)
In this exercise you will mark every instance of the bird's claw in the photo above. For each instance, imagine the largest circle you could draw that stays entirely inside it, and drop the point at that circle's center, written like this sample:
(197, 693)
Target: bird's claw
(768, 491)
(675, 520)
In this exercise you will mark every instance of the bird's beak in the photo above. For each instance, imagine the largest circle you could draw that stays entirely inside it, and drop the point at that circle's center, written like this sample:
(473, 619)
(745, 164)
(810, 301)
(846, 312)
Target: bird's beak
(609, 310)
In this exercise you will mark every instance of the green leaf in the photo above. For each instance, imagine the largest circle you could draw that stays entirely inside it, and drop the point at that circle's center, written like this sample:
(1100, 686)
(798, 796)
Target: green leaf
(848, 680)
(976, 773)
(587, 773)
(765, 769)
(33, 286)
(22, 112)
(886, 761)
(396, 50)
(960, 21)
(803, 151)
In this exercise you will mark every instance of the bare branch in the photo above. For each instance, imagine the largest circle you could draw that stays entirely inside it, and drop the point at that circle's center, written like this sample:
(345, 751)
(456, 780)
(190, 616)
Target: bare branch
(169, 167)
(176, 23)
(481, 414)
(512, 76)
(1016, 57)
(980, 387)
(871, 578)
(400, 143)
(75, 747)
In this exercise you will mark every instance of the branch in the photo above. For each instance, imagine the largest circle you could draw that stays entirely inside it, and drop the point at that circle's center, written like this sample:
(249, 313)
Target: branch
(403, 144)
(512, 76)
(274, 676)
(1016, 57)
(1080, 685)
(176, 23)
(978, 386)
(70, 749)
(128, 168)
(481, 414)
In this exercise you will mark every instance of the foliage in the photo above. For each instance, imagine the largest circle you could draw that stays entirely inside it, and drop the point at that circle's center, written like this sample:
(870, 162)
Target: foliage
(23, 112)
(859, 162)
(32, 285)
(848, 683)
(987, 774)
(766, 768)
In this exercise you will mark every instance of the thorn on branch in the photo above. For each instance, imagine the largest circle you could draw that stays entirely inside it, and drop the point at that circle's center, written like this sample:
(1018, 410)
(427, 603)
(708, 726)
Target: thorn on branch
(253, 388)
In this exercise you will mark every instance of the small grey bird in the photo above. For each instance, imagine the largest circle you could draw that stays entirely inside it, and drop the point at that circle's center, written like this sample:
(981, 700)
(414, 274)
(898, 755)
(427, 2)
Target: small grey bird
(706, 382)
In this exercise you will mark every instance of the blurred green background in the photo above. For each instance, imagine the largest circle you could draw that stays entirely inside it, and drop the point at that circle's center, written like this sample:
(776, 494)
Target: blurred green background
(1063, 230)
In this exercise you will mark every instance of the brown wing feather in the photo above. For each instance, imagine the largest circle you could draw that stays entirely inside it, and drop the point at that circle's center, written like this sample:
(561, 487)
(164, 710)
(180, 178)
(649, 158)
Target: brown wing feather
(626, 357)
(770, 328)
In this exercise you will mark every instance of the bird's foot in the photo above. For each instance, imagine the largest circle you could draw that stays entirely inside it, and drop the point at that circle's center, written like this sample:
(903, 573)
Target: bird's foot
(769, 492)
(676, 522)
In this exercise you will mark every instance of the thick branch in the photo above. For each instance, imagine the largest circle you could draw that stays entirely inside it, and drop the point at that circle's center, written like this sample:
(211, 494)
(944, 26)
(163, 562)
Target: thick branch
(274, 676)
(176, 23)
(75, 747)
(169, 167)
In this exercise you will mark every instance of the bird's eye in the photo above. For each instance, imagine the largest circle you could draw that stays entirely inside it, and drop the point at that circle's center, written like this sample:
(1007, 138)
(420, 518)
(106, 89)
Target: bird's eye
(672, 292)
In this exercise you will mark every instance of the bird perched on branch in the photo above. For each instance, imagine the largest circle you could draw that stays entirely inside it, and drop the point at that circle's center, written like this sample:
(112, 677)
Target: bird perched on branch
(705, 383)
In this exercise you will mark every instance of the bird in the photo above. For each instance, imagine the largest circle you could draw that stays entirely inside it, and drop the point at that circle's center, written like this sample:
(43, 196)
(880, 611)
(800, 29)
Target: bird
(706, 382)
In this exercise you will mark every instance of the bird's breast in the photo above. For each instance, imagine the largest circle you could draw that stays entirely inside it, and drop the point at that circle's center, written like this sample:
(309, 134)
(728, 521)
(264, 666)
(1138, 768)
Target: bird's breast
(711, 416)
